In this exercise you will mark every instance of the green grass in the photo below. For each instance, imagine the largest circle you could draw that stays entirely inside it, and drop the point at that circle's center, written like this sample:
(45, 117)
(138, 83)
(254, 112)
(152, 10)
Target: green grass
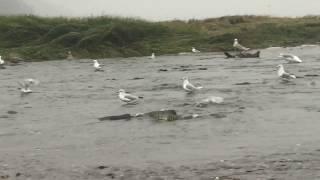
(37, 38)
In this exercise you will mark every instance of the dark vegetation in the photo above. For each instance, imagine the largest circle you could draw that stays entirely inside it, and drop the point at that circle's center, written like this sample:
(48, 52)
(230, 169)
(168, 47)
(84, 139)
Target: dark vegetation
(38, 38)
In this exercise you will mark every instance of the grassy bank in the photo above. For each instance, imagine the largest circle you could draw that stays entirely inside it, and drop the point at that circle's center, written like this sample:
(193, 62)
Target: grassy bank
(38, 38)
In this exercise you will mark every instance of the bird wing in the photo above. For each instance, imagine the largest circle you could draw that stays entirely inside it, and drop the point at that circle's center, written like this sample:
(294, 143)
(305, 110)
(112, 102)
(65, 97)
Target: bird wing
(191, 87)
(239, 46)
(286, 75)
(131, 97)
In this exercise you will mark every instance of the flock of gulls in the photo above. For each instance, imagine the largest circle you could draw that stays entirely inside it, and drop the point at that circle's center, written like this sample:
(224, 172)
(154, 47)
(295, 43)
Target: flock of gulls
(26, 84)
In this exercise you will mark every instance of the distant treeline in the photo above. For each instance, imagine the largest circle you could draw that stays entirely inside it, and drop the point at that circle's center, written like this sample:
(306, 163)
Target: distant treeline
(39, 38)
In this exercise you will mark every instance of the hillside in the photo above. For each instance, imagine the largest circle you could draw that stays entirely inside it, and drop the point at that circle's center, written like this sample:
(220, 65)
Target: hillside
(38, 38)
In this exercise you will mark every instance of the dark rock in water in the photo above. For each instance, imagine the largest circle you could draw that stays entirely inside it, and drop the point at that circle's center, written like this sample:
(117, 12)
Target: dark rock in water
(4, 177)
(163, 70)
(4, 117)
(114, 118)
(136, 78)
(218, 115)
(243, 83)
(102, 167)
(166, 115)
(186, 69)
(243, 55)
(203, 69)
(311, 75)
(12, 112)
(2, 67)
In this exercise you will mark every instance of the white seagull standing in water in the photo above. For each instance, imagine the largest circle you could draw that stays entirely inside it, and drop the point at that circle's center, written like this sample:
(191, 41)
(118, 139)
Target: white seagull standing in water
(96, 65)
(128, 98)
(153, 56)
(188, 86)
(238, 46)
(284, 75)
(25, 85)
(194, 50)
(291, 58)
(1, 61)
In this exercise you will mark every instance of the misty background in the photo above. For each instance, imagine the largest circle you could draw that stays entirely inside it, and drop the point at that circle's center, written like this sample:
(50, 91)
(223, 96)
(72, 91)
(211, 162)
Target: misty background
(161, 9)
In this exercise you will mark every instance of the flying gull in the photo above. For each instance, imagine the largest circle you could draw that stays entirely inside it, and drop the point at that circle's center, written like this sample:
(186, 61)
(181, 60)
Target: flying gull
(128, 98)
(284, 75)
(238, 46)
(188, 86)
(291, 58)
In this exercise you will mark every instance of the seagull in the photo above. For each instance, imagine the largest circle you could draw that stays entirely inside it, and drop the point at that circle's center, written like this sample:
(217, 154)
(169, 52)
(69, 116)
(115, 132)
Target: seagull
(239, 46)
(194, 50)
(210, 100)
(153, 56)
(1, 61)
(128, 98)
(291, 58)
(97, 66)
(213, 100)
(188, 86)
(284, 75)
(25, 85)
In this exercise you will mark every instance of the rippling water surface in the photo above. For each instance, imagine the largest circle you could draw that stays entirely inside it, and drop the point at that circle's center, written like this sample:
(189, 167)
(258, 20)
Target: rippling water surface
(263, 123)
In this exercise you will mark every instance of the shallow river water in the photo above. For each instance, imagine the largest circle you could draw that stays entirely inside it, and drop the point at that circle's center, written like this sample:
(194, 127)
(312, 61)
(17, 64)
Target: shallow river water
(265, 129)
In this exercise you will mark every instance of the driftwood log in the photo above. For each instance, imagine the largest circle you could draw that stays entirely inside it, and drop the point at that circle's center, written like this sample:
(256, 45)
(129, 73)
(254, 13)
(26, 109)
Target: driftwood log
(243, 55)
(165, 115)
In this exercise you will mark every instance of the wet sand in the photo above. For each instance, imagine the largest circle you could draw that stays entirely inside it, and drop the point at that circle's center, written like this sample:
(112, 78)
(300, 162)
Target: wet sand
(265, 129)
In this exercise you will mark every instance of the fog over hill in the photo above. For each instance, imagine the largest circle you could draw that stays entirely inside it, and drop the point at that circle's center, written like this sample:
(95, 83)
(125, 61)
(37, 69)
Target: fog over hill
(11, 7)
(161, 9)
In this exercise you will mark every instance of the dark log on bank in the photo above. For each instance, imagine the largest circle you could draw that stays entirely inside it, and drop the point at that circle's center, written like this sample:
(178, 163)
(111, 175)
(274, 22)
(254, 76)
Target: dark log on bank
(243, 55)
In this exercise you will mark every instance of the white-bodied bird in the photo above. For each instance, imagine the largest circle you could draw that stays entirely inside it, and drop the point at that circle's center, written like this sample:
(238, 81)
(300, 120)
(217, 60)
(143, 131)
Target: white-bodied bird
(238, 46)
(26, 84)
(1, 61)
(213, 100)
(291, 58)
(187, 86)
(128, 98)
(284, 75)
(153, 56)
(97, 65)
(194, 50)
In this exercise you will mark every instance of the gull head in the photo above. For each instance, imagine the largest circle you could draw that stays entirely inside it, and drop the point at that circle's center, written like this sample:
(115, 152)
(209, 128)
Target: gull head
(280, 69)
(185, 78)
(235, 40)
(95, 61)
(122, 91)
(32, 81)
(280, 66)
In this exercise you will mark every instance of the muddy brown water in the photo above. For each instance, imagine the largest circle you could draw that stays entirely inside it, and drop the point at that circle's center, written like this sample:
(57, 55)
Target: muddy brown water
(265, 129)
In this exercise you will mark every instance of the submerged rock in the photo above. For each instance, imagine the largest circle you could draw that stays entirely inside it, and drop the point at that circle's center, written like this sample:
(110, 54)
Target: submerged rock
(12, 112)
(243, 83)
